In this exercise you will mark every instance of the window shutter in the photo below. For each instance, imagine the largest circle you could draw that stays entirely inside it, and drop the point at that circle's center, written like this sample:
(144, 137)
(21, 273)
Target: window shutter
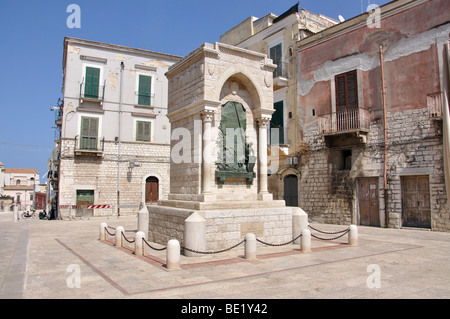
(91, 86)
(276, 56)
(352, 94)
(341, 93)
(144, 93)
(89, 133)
(143, 131)
(277, 121)
(147, 131)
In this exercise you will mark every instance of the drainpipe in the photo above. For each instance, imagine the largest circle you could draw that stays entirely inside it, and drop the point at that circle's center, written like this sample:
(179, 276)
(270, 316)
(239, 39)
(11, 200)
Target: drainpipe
(119, 139)
(383, 91)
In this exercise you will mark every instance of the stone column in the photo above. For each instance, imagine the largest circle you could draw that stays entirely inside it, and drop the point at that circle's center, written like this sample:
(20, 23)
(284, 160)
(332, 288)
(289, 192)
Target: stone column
(207, 117)
(263, 193)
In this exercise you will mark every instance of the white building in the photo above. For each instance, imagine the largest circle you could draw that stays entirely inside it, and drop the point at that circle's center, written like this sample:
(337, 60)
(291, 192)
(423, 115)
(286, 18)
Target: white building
(114, 134)
(20, 184)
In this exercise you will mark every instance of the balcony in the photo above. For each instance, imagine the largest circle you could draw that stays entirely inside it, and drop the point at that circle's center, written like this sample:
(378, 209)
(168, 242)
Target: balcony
(58, 117)
(92, 93)
(345, 128)
(144, 100)
(281, 75)
(89, 146)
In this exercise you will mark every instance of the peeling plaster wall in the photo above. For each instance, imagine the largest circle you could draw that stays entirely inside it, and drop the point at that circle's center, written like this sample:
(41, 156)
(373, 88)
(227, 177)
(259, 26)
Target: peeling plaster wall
(410, 39)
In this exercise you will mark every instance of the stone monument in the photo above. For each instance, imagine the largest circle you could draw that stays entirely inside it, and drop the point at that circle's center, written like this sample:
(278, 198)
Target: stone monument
(220, 104)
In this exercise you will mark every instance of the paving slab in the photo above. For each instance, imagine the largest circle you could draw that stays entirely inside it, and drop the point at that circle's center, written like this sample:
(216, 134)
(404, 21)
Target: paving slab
(44, 259)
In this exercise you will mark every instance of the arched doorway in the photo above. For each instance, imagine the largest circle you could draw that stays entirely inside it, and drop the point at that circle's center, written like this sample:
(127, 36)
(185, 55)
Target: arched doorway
(151, 190)
(291, 190)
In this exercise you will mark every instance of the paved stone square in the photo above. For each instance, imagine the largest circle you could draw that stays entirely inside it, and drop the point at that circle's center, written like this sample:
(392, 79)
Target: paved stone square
(40, 259)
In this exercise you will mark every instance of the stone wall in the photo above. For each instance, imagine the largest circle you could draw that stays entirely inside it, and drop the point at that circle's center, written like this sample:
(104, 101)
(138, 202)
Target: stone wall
(224, 228)
(329, 194)
(99, 173)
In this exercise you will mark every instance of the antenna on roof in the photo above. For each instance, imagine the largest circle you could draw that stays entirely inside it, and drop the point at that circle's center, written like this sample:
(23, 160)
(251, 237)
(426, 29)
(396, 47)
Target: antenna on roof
(341, 18)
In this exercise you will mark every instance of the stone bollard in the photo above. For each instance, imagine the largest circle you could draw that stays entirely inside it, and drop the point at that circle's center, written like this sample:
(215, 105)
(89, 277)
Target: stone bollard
(353, 236)
(305, 242)
(139, 247)
(173, 254)
(119, 238)
(299, 222)
(194, 234)
(16, 213)
(250, 247)
(103, 231)
(143, 220)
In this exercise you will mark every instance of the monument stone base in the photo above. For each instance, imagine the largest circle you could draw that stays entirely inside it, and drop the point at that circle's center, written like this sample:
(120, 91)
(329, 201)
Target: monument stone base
(223, 223)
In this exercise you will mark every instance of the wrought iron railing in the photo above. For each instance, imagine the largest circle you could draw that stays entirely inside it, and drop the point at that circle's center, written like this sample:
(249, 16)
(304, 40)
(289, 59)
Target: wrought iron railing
(282, 70)
(92, 91)
(348, 120)
(89, 144)
(145, 99)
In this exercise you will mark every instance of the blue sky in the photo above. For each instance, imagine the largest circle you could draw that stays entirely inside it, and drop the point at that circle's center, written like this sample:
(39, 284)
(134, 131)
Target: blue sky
(31, 48)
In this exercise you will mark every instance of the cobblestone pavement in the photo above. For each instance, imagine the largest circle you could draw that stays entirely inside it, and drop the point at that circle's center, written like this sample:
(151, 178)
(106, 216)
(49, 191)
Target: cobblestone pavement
(65, 259)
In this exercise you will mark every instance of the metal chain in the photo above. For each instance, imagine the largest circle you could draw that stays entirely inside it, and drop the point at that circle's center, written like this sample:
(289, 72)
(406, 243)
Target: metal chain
(277, 245)
(346, 231)
(130, 241)
(106, 228)
(212, 252)
(160, 249)
(330, 233)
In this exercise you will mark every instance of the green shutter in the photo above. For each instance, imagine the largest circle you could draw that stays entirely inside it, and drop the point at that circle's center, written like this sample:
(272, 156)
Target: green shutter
(91, 86)
(143, 131)
(144, 93)
(276, 56)
(89, 133)
(277, 122)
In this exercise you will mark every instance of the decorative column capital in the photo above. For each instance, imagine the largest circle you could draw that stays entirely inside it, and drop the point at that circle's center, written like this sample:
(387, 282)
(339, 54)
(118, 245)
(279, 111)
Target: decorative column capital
(263, 122)
(207, 115)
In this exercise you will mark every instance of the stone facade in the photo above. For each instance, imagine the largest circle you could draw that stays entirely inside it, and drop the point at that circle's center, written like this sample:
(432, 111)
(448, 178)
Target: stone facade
(114, 133)
(262, 35)
(200, 85)
(401, 71)
(100, 175)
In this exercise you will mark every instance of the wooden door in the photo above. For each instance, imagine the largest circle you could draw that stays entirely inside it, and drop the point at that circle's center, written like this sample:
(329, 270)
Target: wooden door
(291, 190)
(416, 210)
(369, 209)
(151, 190)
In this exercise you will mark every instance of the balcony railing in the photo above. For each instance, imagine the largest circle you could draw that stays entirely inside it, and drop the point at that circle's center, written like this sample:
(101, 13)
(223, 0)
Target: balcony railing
(281, 75)
(345, 121)
(89, 145)
(58, 117)
(92, 92)
(282, 70)
(144, 99)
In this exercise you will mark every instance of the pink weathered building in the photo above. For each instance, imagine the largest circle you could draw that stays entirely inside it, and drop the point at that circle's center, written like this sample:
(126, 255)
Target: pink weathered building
(372, 91)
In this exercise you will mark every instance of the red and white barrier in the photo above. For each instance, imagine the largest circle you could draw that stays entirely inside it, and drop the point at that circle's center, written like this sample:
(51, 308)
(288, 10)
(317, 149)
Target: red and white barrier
(98, 206)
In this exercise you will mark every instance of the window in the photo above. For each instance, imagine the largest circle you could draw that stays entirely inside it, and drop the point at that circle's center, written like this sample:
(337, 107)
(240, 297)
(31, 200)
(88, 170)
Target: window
(346, 91)
(85, 197)
(277, 124)
(347, 113)
(92, 81)
(144, 90)
(18, 182)
(276, 54)
(143, 131)
(346, 160)
(89, 133)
